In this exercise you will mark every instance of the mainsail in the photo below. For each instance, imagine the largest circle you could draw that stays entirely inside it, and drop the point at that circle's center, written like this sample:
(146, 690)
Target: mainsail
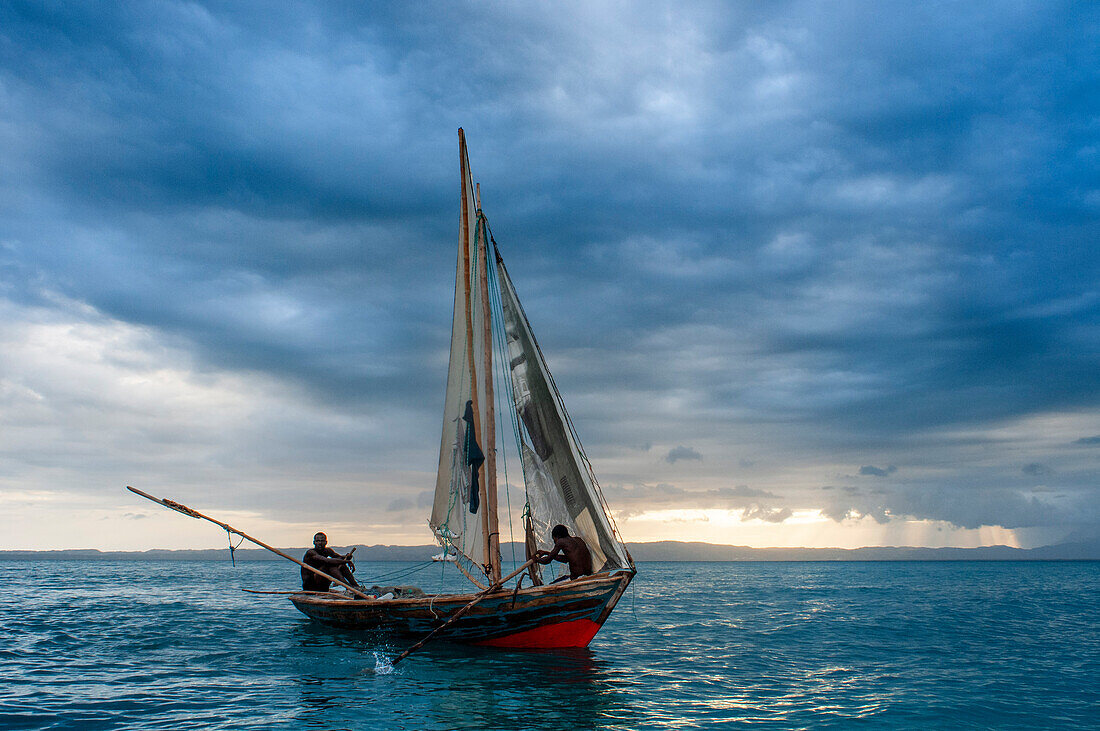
(465, 486)
(560, 487)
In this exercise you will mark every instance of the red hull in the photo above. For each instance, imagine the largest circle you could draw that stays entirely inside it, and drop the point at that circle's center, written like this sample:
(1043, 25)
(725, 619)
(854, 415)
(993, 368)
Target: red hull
(577, 633)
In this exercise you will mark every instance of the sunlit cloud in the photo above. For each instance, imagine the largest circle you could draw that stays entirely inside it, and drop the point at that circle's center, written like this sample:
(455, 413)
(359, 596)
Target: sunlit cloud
(810, 528)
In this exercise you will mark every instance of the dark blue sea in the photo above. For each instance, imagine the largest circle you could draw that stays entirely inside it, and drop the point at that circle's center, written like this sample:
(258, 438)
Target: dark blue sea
(175, 645)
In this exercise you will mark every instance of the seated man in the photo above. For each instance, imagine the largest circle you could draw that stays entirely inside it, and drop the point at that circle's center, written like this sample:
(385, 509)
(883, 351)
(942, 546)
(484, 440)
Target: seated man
(573, 551)
(332, 563)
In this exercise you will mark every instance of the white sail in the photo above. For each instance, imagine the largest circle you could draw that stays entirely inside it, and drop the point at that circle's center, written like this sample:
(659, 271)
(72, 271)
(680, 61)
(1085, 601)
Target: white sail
(560, 488)
(459, 511)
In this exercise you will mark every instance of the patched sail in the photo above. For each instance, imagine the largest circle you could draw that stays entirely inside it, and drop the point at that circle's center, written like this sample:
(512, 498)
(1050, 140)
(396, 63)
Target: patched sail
(460, 509)
(560, 488)
(559, 484)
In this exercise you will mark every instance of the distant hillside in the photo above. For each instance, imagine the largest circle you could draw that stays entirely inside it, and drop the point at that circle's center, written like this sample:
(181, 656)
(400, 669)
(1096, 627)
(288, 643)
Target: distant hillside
(658, 551)
(362, 553)
(680, 551)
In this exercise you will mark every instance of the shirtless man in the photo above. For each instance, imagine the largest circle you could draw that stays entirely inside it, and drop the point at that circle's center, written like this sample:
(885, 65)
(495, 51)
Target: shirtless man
(332, 563)
(572, 550)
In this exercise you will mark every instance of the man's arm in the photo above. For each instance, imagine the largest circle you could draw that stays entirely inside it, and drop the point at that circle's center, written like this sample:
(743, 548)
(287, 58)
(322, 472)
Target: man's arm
(329, 558)
(556, 555)
(345, 556)
(546, 557)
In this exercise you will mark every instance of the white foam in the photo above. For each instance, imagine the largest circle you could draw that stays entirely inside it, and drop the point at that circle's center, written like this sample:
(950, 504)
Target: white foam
(382, 664)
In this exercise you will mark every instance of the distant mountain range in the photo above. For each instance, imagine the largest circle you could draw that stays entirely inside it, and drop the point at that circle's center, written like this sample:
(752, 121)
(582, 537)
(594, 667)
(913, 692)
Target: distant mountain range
(657, 551)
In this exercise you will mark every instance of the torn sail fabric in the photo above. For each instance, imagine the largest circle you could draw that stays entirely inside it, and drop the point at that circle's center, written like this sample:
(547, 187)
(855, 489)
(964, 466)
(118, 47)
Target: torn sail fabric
(474, 456)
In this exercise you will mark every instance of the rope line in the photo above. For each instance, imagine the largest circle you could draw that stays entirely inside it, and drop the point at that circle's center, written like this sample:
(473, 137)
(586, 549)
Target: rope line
(232, 548)
(444, 532)
(602, 501)
(518, 429)
(500, 343)
(400, 573)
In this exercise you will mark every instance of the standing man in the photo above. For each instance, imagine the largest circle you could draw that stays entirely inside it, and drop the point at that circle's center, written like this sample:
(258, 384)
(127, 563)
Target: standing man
(322, 557)
(573, 551)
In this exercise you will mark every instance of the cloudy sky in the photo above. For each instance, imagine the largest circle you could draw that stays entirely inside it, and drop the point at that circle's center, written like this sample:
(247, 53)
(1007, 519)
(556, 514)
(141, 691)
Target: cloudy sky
(819, 274)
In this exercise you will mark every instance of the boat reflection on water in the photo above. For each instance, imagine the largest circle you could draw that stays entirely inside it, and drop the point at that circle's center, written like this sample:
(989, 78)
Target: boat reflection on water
(342, 684)
(566, 688)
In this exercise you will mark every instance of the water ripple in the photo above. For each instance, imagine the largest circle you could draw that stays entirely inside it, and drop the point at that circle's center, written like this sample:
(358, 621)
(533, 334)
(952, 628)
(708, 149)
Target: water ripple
(798, 645)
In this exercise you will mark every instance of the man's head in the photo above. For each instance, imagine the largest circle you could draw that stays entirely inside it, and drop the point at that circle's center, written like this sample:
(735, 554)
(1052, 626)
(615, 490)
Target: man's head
(320, 540)
(560, 531)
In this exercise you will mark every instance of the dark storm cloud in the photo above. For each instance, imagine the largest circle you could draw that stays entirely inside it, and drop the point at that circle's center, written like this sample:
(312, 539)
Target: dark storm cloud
(866, 223)
(682, 452)
(873, 471)
(630, 501)
(973, 509)
(1088, 441)
(1036, 469)
(967, 504)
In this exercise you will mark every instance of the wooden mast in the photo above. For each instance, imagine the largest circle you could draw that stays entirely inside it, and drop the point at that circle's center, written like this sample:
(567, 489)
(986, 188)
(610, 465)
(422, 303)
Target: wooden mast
(488, 484)
(492, 523)
(465, 243)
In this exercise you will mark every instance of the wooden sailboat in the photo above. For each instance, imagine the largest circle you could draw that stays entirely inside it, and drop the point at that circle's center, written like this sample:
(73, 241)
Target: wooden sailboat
(559, 484)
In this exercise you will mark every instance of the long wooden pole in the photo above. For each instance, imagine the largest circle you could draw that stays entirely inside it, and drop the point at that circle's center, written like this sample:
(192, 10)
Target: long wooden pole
(468, 575)
(477, 599)
(492, 523)
(319, 593)
(488, 447)
(180, 508)
(465, 244)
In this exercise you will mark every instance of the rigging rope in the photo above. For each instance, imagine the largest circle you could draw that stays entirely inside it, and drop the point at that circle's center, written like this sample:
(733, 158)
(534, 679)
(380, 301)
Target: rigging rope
(517, 432)
(444, 533)
(400, 573)
(232, 548)
(496, 309)
(518, 428)
(572, 429)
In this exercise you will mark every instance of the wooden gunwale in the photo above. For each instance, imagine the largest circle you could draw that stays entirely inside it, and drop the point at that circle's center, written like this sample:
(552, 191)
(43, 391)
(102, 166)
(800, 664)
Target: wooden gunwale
(566, 614)
(434, 600)
(615, 599)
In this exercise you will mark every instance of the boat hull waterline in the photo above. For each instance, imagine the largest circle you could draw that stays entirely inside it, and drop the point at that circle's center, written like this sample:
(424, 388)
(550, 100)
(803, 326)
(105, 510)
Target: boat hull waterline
(565, 614)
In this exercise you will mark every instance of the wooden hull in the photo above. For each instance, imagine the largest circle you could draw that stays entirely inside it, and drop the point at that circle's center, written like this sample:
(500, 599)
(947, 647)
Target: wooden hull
(566, 614)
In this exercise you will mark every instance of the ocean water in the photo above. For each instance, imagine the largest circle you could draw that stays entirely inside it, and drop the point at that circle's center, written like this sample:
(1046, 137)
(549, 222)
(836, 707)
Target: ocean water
(175, 645)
